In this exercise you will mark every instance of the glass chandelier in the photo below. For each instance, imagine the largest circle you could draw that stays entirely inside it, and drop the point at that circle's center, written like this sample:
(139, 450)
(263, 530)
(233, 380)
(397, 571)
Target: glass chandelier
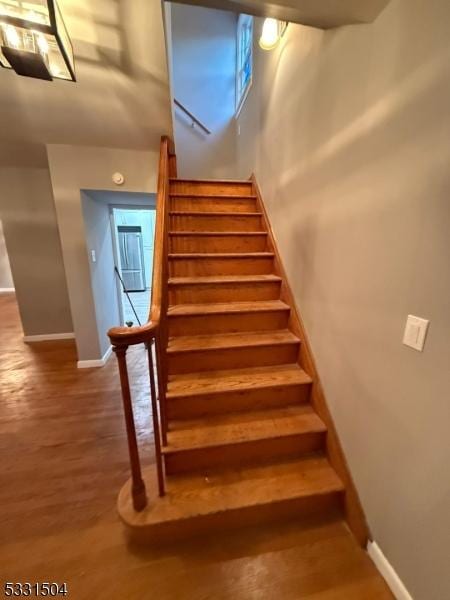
(34, 40)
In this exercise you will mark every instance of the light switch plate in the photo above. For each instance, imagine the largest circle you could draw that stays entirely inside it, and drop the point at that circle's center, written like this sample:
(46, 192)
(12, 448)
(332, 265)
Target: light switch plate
(93, 256)
(415, 332)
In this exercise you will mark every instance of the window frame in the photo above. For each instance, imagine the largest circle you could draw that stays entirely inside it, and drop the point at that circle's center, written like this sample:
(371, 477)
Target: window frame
(244, 22)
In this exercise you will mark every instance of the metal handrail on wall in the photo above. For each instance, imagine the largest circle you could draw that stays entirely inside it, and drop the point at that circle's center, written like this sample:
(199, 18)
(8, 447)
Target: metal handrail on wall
(154, 333)
(193, 118)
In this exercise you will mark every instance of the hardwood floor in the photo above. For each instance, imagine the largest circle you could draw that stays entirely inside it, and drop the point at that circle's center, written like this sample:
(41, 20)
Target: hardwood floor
(63, 458)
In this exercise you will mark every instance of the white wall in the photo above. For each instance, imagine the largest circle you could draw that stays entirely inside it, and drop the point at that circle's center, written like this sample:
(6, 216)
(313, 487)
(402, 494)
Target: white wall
(121, 100)
(203, 69)
(73, 169)
(96, 209)
(103, 281)
(6, 280)
(29, 222)
(348, 132)
(121, 97)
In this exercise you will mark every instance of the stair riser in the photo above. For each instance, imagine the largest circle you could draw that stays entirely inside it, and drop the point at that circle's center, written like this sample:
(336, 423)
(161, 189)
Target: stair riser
(229, 323)
(217, 188)
(242, 292)
(232, 358)
(198, 267)
(245, 453)
(192, 407)
(302, 510)
(217, 243)
(203, 222)
(213, 204)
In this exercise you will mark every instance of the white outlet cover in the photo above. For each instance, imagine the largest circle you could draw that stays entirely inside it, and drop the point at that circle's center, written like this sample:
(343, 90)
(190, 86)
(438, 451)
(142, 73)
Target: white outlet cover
(415, 332)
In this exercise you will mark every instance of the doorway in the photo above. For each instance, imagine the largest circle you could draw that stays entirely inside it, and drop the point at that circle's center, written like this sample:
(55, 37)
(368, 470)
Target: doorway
(133, 231)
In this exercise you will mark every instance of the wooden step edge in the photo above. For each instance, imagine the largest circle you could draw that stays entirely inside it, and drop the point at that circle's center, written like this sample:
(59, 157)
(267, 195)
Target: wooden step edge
(255, 343)
(211, 196)
(224, 280)
(227, 308)
(221, 255)
(274, 436)
(201, 213)
(230, 389)
(218, 233)
(170, 517)
(222, 434)
(218, 181)
(304, 379)
(200, 348)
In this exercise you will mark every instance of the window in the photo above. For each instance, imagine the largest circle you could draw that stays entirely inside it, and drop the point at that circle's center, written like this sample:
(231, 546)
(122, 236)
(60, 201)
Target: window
(244, 63)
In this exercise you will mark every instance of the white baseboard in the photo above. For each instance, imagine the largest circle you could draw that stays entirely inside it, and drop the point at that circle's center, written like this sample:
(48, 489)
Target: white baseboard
(47, 337)
(7, 290)
(92, 364)
(387, 571)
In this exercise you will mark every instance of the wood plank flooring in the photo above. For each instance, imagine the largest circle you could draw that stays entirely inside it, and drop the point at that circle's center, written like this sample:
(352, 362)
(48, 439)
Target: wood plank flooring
(63, 458)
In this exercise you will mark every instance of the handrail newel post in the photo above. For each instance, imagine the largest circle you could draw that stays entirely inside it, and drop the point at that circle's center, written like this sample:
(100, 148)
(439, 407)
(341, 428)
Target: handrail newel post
(138, 490)
(154, 331)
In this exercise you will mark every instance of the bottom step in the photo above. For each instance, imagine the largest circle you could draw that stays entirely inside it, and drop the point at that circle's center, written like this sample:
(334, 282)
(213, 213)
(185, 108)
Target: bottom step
(195, 504)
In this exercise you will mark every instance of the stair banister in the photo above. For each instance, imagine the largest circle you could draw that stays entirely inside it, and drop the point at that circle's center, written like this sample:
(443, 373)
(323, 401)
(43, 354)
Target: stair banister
(154, 333)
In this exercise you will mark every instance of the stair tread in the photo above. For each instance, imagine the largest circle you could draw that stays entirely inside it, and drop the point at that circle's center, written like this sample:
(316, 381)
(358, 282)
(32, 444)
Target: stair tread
(217, 279)
(226, 255)
(209, 382)
(241, 427)
(195, 495)
(218, 181)
(189, 343)
(226, 307)
(201, 213)
(218, 233)
(206, 195)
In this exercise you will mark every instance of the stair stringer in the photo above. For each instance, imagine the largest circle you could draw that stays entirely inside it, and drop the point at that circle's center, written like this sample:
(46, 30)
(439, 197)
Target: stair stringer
(352, 505)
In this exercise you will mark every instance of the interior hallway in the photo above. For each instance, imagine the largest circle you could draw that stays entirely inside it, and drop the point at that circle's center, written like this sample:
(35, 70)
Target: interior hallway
(64, 458)
(141, 303)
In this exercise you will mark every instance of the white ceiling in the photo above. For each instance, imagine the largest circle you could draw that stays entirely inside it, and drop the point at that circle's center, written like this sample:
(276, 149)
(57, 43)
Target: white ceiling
(121, 98)
(316, 13)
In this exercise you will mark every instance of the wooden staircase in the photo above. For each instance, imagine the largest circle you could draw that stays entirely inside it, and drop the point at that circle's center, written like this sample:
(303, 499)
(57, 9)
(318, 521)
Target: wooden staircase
(249, 437)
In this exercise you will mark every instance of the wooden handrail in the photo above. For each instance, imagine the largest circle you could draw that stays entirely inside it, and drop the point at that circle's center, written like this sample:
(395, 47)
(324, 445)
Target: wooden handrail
(129, 336)
(155, 331)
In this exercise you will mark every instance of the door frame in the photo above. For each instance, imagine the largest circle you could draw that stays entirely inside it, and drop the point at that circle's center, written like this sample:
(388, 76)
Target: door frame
(115, 243)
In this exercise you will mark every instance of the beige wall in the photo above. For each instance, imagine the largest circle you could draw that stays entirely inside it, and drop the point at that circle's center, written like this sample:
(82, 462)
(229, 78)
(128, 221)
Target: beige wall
(348, 132)
(121, 97)
(74, 169)
(6, 280)
(30, 229)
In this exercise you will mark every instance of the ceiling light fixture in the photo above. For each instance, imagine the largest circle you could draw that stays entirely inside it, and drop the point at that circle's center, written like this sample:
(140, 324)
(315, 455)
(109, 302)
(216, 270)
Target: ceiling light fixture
(34, 40)
(272, 32)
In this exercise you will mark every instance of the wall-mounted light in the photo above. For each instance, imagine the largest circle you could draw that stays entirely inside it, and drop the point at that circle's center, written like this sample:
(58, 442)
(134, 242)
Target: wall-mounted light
(34, 40)
(272, 32)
